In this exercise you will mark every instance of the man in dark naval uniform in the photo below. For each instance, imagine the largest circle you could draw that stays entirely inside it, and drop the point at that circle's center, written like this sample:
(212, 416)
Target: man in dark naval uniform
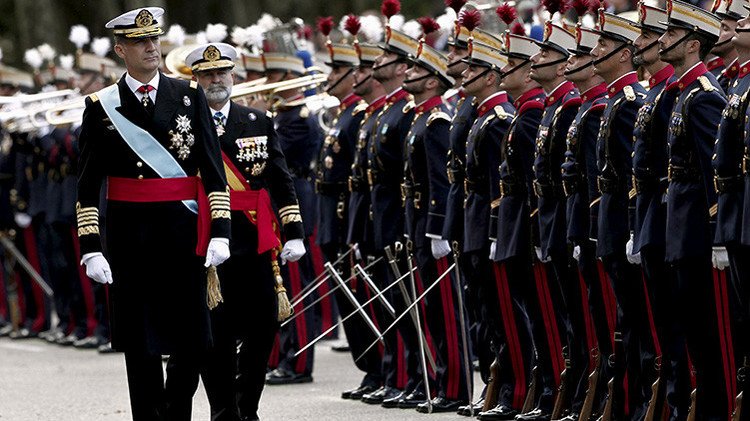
(579, 174)
(425, 190)
(552, 270)
(509, 305)
(360, 229)
(148, 136)
(646, 246)
(613, 62)
(299, 136)
(385, 172)
(256, 173)
(699, 325)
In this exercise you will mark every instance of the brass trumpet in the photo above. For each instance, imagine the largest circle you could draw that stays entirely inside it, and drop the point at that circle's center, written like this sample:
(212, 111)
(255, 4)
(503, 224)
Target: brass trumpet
(66, 113)
(303, 82)
(43, 96)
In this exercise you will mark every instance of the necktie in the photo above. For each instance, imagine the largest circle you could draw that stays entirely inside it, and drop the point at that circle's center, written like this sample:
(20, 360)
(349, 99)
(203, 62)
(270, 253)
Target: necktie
(219, 120)
(148, 104)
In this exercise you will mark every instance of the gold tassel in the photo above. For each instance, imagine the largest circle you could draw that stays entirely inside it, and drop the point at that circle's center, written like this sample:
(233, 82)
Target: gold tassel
(285, 307)
(214, 289)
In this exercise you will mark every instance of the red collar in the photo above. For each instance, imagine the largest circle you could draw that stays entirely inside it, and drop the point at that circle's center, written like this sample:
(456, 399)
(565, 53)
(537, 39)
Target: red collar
(559, 93)
(397, 96)
(688, 78)
(715, 63)
(732, 70)
(429, 104)
(349, 100)
(623, 81)
(376, 105)
(661, 76)
(595, 92)
(744, 69)
(491, 102)
(527, 96)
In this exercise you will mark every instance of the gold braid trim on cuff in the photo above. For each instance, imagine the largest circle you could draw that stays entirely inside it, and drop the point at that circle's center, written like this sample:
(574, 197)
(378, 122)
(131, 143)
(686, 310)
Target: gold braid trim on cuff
(288, 219)
(88, 230)
(216, 214)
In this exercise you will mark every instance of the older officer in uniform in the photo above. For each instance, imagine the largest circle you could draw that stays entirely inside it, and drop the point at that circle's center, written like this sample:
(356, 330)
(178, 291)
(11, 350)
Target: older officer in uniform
(148, 136)
(613, 62)
(426, 189)
(360, 229)
(299, 136)
(693, 126)
(510, 304)
(579, 174)
(385, 173)
(648, 236)
(255, 167)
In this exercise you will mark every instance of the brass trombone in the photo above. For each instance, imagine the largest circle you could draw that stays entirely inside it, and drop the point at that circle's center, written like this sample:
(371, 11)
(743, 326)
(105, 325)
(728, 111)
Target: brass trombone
(303, 82)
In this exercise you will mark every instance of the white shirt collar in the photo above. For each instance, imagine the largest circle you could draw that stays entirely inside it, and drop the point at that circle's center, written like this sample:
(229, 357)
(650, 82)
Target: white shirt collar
(133, 84)
(224, 110)
(490, 97)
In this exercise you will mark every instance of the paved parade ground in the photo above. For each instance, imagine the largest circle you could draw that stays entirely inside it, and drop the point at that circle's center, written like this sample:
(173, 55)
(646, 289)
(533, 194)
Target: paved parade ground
(43, 382)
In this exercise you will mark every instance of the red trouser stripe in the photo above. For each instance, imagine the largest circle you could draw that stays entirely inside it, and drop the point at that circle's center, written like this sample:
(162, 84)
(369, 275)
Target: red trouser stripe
(610, 303)
(21, 298)
(725, 335)
(423, 309)
(511, 334)
(588, 321)
(400, 364)
(300, 323)
(33, 256)
(548, 312)
(454, 367)
(730, 342)
(650, 312)
(326, 306)
(88, 292)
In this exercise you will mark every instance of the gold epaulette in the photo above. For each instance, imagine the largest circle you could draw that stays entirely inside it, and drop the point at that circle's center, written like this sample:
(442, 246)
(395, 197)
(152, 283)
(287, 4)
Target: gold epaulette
(94, 98)
(359, 108)
(194, 84)
(269, 114)
(706, 84)
(408, 107)
(629, 93)
(438, 115)
(501, 114)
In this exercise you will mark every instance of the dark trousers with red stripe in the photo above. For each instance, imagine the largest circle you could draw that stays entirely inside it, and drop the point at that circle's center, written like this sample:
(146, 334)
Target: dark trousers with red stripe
(292, 337)
(479, 279)
(508, 286)
(633, 326)
(603, 307)
(442, 314)
(37, 311)
(699, 326)
(739, 303)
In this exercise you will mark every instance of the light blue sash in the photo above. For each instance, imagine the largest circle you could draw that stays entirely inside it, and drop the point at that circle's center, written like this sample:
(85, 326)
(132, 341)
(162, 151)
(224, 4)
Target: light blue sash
(148, 149)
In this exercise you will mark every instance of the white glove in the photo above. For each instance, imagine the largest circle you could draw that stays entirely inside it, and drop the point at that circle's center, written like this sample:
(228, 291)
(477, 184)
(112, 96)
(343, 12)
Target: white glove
(538, 251)
(632, 258)
(218, 252)
(577, 253)
(23, 220)
(493, 250)
(357, 253)
(719, 258)
(97, 268)
(440, 248)
(293, 251)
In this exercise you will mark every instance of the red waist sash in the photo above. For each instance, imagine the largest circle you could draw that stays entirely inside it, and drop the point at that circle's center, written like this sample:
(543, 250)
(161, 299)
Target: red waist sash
(166, 190)
(256, 204)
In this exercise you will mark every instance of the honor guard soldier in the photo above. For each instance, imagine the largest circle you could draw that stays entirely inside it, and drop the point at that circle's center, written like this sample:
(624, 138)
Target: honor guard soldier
(148, 136)
(425, 190)
(299, 136)
(613, 62)
(510, 278)
(257, 173)
(729, 253)
(730, 12)
(385, 173)
(360, 229)
(579, 174)
(646, 246)
(699, 318)
(551, 338)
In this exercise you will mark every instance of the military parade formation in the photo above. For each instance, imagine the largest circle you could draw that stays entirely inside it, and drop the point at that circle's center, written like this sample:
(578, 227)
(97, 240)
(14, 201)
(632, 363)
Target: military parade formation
(549, 196)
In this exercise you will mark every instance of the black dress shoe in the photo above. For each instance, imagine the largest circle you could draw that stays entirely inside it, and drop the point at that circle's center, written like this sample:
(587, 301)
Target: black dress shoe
(412, 400)
(440, 404)
(358, 392)
(464, 410)
(535, 415)
(499, 413)
(105, 348)
(392, 402)
(379, 395)
(281, 376)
